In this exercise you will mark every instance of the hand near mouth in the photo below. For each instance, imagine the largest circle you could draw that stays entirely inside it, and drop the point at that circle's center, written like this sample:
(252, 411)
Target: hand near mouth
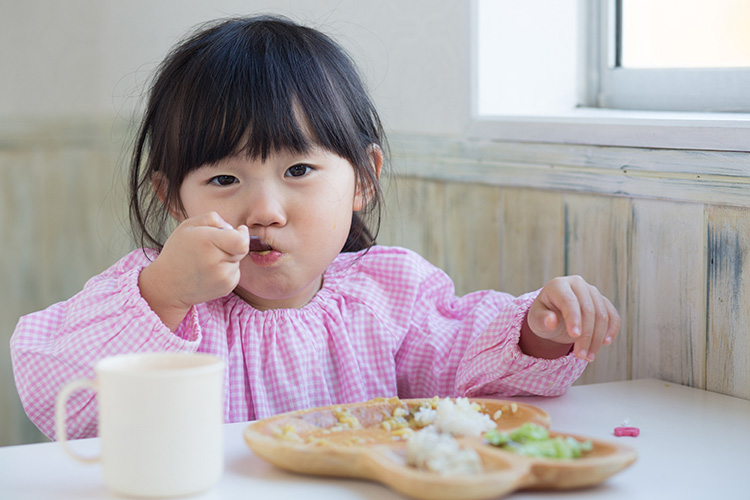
(200, 261)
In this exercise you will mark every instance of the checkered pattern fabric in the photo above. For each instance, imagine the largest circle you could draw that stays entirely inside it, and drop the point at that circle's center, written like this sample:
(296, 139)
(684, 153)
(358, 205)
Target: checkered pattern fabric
(385, 323)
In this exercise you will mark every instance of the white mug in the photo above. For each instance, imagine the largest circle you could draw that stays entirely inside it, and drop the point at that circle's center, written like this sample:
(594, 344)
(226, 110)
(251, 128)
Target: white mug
(160, 422)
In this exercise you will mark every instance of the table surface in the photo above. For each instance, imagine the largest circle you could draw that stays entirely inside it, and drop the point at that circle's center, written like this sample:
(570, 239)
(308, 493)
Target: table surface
(693, 444)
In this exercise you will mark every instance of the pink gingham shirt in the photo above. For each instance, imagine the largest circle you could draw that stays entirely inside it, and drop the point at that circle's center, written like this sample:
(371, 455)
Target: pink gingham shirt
(385, 323)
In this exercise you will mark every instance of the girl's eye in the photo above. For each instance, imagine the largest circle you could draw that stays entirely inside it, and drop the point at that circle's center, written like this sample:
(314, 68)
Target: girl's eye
(223, 180)
(298, 170)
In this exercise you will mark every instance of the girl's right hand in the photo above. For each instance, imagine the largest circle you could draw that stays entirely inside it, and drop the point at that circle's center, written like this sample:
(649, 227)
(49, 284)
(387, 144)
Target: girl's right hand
(200, 261)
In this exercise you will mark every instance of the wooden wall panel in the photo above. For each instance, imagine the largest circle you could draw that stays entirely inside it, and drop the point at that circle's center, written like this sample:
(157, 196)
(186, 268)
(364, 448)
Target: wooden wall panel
(401, 210)
(433, 222)
(453, 225)
(21, 273)
(597, 249)
(728, 358)
(471, 236)
(63, 219)
(667, 292)
(533, 239)
(85, 226)
(414, 217)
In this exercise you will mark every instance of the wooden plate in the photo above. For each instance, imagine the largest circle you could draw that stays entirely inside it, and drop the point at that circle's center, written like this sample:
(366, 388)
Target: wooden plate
(353, 441)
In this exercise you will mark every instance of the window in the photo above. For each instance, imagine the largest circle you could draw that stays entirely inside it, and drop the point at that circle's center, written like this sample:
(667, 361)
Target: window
(675, 55)
(553, 71)
(527, 56)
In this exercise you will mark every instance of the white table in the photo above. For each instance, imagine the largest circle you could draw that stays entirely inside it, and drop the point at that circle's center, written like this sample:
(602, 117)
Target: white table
(693, 444)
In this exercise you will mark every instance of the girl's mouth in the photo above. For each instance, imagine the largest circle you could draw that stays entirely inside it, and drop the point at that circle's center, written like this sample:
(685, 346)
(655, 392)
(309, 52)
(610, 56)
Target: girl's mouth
(263, 254)
(259, 246)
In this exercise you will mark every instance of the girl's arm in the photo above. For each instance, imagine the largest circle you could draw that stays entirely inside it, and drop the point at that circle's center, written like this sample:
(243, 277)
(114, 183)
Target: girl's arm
(541, 343)
(57, 345)
(486, 343)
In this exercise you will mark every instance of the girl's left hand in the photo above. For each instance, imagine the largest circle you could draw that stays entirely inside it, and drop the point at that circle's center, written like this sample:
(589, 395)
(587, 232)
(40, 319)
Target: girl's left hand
(568, 310)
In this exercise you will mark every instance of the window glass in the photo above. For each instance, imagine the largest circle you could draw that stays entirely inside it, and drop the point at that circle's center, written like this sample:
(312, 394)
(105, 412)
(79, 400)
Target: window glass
(684, 33)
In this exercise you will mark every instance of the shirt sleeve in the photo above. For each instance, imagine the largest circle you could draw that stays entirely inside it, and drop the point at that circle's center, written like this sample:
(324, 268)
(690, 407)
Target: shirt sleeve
(62, 343)
(495, 365)
(468, 346)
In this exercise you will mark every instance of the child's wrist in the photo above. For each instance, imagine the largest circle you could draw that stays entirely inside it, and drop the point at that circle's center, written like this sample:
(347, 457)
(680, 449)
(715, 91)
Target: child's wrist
(170, 312)
(532, 344)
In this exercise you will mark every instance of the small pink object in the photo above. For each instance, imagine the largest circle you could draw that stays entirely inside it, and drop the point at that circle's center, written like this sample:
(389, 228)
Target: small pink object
(627, 431)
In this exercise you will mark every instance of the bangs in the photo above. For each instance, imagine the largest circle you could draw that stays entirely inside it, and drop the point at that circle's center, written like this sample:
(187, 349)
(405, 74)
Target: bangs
(253, 86)
(256, 95)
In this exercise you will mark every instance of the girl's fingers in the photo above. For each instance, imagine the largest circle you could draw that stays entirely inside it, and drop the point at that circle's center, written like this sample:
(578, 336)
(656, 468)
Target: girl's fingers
(561, 297)
(550, 321)
(587, 307)
(571, 310)
(234, 242)
(600, 316)
(210, 219)
(614, 323)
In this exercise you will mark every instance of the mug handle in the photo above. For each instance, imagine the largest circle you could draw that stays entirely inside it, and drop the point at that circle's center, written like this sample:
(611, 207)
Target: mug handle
(61, 417)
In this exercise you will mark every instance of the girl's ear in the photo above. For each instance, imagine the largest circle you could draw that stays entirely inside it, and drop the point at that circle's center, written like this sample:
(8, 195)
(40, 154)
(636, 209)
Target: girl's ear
(161, 187)
(363, 195)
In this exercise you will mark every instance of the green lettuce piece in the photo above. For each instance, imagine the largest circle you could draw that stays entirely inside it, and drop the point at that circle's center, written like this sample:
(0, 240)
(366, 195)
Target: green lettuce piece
(529, 432)
(532, 440)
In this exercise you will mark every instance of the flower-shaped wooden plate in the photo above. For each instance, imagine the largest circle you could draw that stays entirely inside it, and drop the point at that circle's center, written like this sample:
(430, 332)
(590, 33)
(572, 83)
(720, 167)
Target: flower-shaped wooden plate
(362, 440)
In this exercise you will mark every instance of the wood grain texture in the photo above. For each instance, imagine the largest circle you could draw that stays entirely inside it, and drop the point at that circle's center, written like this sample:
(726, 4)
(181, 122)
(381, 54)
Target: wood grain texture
(533, 238)
(404, 204)
(22, 279)
(597, 229)
(728, 357)
(667, 292)
(472, 236)
(455, 226)
(716, 177)
(415, 217)
(63, 219)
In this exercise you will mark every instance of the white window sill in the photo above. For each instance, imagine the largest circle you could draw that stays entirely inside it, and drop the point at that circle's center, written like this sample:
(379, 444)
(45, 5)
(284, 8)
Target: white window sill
(603, 127)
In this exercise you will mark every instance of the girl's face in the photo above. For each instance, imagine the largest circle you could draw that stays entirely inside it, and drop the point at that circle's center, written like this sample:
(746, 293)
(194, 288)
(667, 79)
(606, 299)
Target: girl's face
(299, 205)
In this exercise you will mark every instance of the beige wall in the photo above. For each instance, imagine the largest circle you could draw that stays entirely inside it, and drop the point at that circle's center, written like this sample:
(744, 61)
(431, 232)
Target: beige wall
(672, 254)
(92, 57)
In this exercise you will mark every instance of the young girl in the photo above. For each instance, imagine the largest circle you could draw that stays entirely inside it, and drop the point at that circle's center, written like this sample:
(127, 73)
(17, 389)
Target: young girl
(260, 141)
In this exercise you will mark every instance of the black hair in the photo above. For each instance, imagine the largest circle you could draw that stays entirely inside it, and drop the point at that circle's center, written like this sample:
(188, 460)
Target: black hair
(257, 86)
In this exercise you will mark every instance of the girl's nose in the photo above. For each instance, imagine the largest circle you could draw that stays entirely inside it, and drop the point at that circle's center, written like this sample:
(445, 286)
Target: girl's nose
(265, 208)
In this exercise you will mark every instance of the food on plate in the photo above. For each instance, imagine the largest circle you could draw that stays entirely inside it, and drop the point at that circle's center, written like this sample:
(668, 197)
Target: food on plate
(431, 450)
(430, 430)
(459, 418)
(533, 440)
(435, 448)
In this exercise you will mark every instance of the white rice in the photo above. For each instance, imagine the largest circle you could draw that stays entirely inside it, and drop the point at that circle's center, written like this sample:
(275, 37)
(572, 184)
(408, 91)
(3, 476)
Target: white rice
(440, 453)
(461, 418)
(434, 447)
(425, 416)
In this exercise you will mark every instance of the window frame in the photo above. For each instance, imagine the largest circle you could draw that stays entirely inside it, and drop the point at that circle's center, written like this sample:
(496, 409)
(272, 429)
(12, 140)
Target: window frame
(691, 90)
(590, 125)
